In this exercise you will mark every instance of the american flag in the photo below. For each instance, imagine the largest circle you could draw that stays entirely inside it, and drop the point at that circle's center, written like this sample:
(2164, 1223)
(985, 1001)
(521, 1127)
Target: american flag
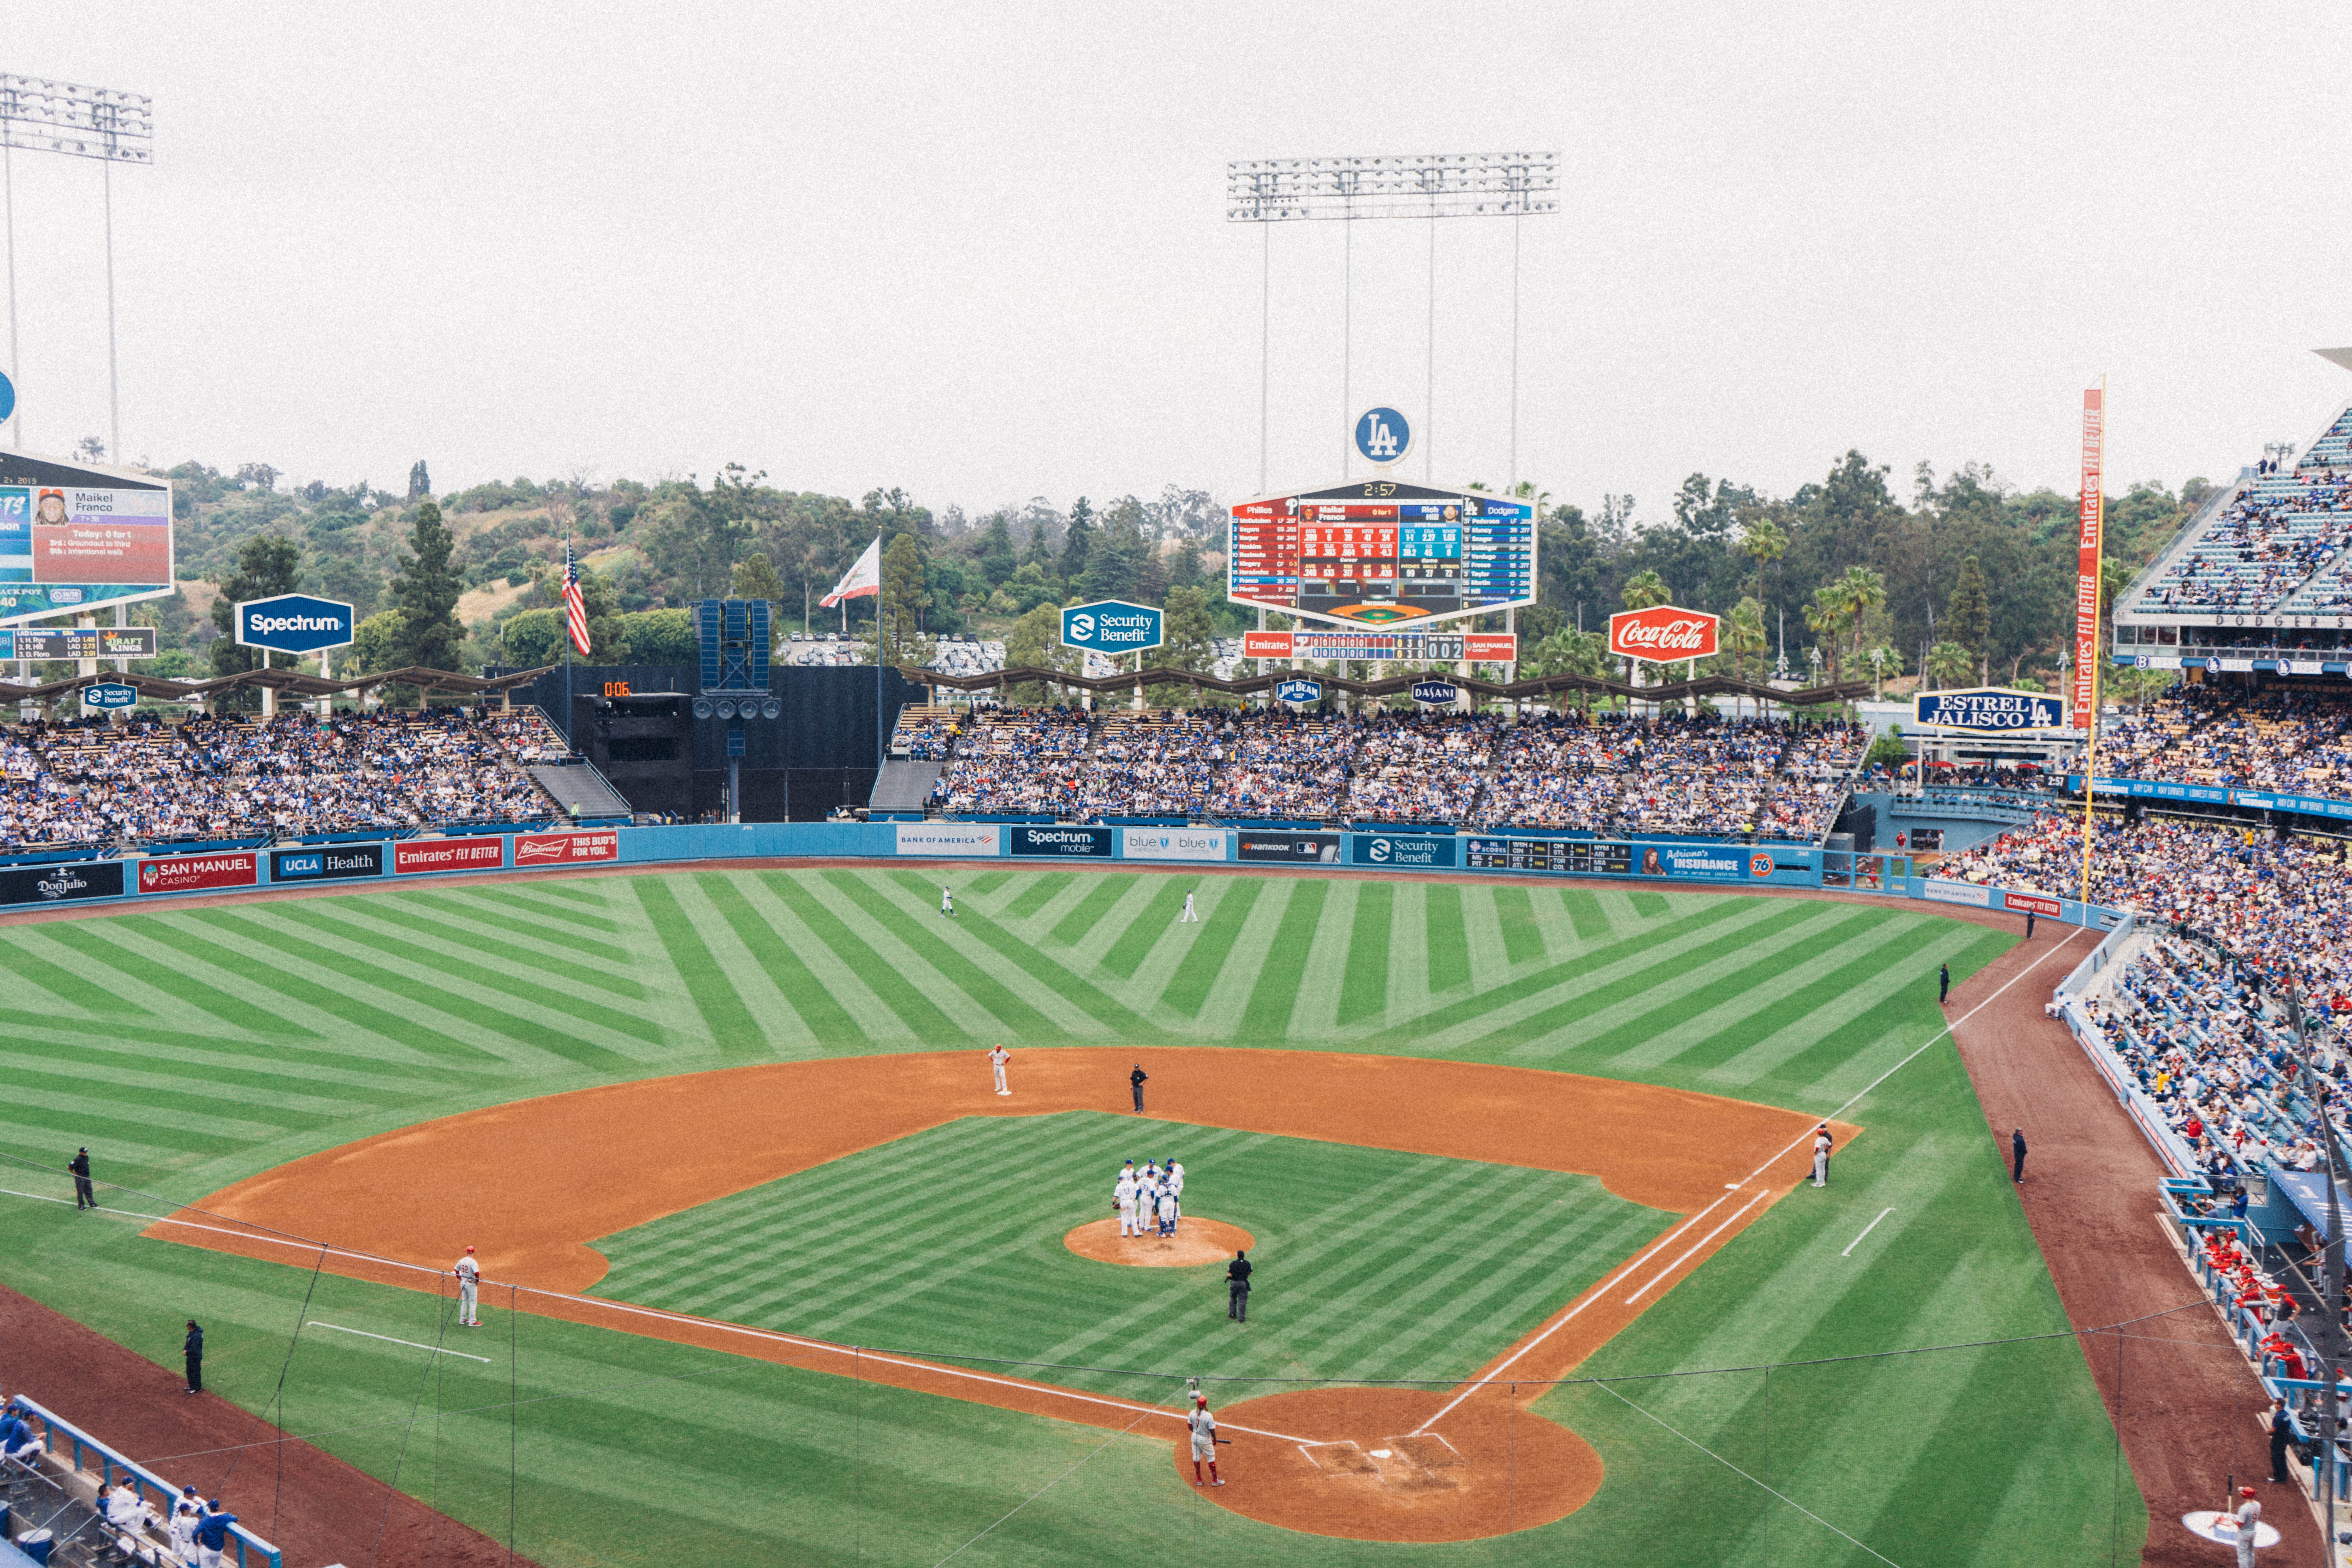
(576, 607)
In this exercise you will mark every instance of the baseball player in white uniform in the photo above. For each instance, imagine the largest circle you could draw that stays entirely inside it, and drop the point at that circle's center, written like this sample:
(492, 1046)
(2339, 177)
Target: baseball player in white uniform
(997, 1060)
(1125, 1195)
(946, 900)
(1188, 913)
(1176, 1184)
(1167, 1211)
(1204, 1440)
(469, 1284)
(182, 1530)
(1821, 1156)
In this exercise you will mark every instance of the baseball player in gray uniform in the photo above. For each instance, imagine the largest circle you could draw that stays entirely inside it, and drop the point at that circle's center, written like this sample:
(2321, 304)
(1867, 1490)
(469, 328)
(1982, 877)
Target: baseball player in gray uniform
(1204, 1440)
(469, 1283)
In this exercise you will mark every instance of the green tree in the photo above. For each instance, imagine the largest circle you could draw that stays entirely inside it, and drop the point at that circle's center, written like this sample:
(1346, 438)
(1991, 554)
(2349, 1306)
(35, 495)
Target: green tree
(1949, 663)
(376, 643)
(1968, 614)
(997, 559)
(532, 637)
(658, 637)
(1861, 590)
(1743, 633)
(1036, 641)
(1187, 633)
(1763, 541)
(1077, 544)
(904, 596)
(425, 593)
(267, 564)
(755, 578)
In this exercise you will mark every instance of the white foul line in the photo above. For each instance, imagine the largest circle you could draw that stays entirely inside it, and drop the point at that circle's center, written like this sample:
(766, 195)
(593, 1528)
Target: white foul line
(935, 1368)
(1866, 1231)
(1667, 1240)
(387, 1339)
(1698, 1245)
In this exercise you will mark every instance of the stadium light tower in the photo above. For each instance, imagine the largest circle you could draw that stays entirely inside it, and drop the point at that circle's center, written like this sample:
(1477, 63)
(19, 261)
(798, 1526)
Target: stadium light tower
(44, 116)
(1268, 191)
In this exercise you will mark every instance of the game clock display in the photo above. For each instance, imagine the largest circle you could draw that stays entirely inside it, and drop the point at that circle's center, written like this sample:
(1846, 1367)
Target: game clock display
(1585, 856)
(1377, 553)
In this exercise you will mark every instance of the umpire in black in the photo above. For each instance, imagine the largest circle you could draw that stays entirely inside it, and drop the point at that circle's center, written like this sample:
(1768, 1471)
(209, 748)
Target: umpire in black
(85, 1195)
(1237, 1275)
(192, 1350)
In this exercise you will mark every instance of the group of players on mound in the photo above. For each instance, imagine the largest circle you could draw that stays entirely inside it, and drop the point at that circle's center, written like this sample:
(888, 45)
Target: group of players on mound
(1150, 1201)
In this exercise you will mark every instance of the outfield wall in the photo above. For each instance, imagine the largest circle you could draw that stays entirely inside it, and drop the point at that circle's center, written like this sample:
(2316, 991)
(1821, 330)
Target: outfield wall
(144, 878)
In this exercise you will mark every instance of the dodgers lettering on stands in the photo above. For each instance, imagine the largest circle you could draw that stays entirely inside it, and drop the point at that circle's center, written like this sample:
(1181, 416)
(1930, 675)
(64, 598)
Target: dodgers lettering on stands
(1061, 840)
(63, 883)
(327, 863)
(566, 848)
(187, 873)
(447, 855)
(1410, 853)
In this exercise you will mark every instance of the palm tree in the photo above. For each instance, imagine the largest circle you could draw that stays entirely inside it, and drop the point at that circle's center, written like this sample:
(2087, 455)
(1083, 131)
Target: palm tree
(1948, 661)
(1862, 589)
(1765, 542)
(1743, 633)
(1642, 590)
(1825, 614)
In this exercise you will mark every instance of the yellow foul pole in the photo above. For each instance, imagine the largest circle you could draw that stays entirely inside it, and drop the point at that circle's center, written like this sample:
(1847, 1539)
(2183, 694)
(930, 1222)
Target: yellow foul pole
(2087, 653)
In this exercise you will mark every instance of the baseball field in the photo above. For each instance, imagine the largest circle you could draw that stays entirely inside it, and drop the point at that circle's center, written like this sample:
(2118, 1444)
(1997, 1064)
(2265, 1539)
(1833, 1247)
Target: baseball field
(1534, 1265)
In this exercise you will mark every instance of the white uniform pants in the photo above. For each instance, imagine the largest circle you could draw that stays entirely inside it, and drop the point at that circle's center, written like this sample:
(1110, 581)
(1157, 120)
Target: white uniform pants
(468, 1290)
(1127, 1225)
(1001, 1088)
(1820, 1169)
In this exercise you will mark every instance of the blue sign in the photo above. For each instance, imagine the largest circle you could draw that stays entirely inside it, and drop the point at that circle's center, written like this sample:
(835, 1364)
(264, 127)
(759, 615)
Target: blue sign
(294, 623)
(1410, 852)
(1300, 691)
(1112, 626)
(327, 863)
(1436, 691)
(1990, 707)
(110, 695)
(1382, 437)
(7, 397)
(1061, 840)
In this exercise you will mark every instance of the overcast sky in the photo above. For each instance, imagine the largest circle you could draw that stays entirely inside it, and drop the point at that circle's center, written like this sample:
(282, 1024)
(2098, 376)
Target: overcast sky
(980, 252)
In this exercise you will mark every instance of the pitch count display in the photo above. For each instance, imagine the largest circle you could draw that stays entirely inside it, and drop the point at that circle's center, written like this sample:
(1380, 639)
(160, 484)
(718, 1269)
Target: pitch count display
(1378, 552)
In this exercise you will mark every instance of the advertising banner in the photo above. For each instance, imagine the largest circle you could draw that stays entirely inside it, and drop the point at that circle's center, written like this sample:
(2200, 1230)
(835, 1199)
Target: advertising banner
(326, 863)
(1705, 862)
(948, 838)
(1989, 708)
(447, 855)
(78, 642)
(1299, 690)
(1436, 692)
(567, 849)
(2034, 903)
(294, 623)
(1061, 840)
(1173, 843)
(1112, 626)
(1662, 634)
(187, 873)
(62, 883)
(110, 696)
(1292, 848)
(1493, 647)
(1402, 851)
(1943, 893)
(1265, 645)
(2091, 516)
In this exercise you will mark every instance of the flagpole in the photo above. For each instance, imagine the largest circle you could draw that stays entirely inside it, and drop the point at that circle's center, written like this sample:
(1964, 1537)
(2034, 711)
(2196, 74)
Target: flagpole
(568, 722)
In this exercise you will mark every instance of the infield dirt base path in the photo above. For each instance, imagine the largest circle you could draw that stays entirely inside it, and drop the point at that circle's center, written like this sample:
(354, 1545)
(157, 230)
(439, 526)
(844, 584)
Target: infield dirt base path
(534, 1181)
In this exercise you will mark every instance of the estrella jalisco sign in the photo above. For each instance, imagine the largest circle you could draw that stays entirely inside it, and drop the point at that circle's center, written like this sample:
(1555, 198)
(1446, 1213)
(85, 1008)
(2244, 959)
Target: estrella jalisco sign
(1112, 626)
(1990, 707)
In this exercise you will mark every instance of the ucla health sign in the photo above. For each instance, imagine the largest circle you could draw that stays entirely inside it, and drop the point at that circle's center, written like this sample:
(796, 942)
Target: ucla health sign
(1990, 707)
(294, 623)
(1112, 626)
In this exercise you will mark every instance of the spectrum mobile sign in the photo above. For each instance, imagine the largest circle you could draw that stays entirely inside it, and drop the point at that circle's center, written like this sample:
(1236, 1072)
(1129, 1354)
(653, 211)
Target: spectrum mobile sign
(294, 623)
(1662, 634)
(1112, 626)
(1990, 707)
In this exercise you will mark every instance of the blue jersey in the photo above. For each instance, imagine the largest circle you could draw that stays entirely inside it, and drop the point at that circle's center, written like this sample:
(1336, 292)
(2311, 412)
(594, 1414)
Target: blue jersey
(212, 1529)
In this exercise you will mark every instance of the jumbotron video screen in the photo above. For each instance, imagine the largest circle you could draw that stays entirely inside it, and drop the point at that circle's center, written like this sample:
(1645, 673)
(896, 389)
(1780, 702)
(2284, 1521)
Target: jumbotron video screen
(1375, 552)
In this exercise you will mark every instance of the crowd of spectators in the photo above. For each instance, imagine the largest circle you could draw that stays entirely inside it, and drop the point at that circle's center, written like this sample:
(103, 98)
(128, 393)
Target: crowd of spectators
(105, 783)
(2297, 738)
(2274, 537)
(1700, 775)
(527, 735)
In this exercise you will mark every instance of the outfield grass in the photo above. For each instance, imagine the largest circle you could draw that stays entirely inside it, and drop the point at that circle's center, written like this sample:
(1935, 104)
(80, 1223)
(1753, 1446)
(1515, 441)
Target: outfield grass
(191, 1048)
(1371, 1264)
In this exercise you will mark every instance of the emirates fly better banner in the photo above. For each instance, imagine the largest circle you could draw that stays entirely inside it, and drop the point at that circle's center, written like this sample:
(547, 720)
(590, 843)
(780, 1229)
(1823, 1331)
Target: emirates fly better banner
(2086, 568)
(1662, 634)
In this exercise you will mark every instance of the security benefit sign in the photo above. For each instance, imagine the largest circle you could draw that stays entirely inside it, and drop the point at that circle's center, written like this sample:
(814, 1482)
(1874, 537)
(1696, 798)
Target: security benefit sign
(1112, 626)
(1990, 710)
(1400, 852)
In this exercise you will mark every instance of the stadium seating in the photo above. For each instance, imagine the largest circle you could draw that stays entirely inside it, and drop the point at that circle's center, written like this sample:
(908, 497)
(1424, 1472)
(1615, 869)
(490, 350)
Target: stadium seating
(1013, 761)
(213, 779)
(2277, 544)
(2295, 739)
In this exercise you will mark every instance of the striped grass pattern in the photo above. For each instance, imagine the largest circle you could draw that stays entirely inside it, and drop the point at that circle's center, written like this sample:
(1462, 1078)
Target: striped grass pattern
(1372, 1265)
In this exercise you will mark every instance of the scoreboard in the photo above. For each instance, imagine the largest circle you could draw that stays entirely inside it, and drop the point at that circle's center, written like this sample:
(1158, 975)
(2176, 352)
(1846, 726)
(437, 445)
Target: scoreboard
(1375, 553)
(1580, 855)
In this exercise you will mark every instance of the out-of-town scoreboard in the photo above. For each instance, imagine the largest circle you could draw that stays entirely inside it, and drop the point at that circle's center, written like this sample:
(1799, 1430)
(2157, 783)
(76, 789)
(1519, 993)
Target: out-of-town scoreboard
(1378, 552)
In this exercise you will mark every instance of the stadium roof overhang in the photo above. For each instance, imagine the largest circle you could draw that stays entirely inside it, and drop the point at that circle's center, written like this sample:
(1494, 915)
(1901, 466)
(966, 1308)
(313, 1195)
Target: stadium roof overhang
(1516, 690)
(287, 680)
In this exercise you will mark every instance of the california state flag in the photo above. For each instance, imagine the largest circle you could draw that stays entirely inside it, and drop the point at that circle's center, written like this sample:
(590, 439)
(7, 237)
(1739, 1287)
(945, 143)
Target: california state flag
(863, 578)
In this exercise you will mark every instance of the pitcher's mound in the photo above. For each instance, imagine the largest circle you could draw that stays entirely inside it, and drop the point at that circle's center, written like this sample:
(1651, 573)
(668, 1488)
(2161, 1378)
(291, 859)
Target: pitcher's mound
(1196, 1241)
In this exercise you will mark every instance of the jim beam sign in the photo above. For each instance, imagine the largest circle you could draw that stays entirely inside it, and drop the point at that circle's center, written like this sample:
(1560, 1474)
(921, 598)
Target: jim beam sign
(1662, 634)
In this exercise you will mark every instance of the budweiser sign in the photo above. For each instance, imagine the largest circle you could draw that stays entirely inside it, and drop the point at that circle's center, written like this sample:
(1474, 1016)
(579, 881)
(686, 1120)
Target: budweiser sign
(1663, 634)
(566, 848)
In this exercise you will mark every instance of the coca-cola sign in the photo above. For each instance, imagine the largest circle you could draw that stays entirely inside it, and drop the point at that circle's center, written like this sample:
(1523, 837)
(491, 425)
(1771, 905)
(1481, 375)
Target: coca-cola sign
(1664, 634)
